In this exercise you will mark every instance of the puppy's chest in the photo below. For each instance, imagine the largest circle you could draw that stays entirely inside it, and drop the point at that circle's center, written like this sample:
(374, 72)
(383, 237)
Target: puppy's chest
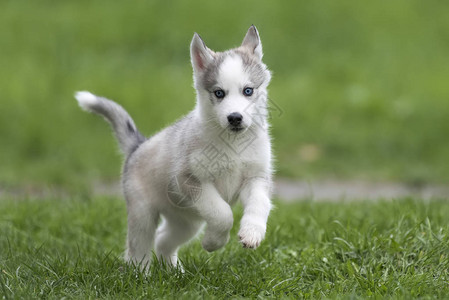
(225, 169)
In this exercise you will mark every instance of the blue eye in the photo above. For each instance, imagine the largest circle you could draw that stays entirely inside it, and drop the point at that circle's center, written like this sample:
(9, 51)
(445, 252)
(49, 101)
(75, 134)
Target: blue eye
(248, 91)
(219, 94)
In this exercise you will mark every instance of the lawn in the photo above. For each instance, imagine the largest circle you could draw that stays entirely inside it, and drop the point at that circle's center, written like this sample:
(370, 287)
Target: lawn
(360, 89)
(387, 249)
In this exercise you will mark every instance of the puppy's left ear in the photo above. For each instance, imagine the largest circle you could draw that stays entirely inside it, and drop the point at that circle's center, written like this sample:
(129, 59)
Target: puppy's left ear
(252, 43)
(201, 56)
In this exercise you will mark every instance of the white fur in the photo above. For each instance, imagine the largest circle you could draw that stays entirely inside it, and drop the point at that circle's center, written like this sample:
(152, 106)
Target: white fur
(86, 100)
(233, 79)
(223, 165)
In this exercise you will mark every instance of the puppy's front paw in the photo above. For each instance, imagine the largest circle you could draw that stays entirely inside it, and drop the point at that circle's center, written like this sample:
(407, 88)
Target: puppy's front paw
(251, 235)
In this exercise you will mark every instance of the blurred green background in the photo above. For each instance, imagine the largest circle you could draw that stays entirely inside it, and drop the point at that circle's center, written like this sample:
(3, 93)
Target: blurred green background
(362, 86)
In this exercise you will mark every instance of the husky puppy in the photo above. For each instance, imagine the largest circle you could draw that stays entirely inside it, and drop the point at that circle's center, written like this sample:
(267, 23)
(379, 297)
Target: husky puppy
(191, 172)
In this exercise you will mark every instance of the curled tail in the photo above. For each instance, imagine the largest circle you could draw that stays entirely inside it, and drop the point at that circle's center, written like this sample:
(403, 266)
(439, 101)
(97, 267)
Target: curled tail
(129, 138)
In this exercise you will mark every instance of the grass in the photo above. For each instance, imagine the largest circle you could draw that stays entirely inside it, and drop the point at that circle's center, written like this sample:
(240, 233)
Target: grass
(359, 91)
(362, 87)
(398, 249)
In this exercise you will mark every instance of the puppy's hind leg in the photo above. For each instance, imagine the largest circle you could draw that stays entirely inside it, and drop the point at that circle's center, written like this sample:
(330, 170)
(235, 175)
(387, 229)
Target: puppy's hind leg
(174, 232)
(142, 223)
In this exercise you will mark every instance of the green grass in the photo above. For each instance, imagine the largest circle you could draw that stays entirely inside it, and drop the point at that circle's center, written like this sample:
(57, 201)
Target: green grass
(388, 249)
(359, 89)
(362, 86)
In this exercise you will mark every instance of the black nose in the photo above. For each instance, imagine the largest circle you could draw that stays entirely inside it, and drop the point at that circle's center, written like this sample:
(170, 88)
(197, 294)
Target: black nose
(235, 119)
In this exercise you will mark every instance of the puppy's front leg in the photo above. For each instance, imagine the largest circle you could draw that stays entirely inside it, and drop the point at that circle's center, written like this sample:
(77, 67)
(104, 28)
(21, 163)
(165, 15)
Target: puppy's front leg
(218, 216)
(257, 206)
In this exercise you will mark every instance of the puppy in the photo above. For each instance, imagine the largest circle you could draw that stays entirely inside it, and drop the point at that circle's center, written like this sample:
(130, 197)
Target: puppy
(191, 172)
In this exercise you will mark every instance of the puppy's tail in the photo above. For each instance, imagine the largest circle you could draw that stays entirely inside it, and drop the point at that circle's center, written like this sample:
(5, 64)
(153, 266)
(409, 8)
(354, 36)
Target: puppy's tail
(129, 138)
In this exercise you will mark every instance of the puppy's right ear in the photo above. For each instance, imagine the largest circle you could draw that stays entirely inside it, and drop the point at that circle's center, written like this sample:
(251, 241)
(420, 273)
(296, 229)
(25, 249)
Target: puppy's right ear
(200, 55)
(252, 42)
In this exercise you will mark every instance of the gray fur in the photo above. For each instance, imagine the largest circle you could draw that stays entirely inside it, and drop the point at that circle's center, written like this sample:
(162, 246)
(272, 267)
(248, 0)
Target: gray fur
(128, 137)
(256, 69)
(209, 78)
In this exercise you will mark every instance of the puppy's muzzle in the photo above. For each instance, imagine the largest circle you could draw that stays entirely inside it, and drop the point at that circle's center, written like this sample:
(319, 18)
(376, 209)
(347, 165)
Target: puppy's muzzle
(235, 121)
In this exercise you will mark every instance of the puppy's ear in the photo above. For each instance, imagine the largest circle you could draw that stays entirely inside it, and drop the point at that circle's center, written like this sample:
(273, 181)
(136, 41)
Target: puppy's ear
(200, 55)
(252, 43)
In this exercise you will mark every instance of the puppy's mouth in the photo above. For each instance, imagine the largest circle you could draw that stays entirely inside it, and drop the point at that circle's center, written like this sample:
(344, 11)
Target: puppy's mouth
(236, 129)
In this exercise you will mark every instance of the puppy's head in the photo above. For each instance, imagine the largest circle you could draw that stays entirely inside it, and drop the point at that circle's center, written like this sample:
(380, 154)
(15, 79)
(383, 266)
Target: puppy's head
(231, 86)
